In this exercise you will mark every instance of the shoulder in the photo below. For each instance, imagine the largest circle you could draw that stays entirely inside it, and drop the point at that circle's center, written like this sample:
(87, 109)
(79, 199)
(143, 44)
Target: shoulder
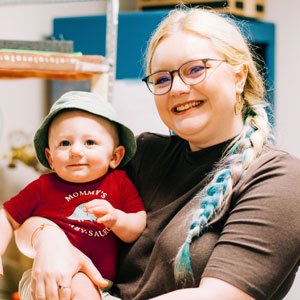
(42, 179)
(273, 179)
(273, 159)
(116, 174)
(116, 177)
(48, 176)
(262, 218)
(148, 137)
(153, 148)
(158, 142)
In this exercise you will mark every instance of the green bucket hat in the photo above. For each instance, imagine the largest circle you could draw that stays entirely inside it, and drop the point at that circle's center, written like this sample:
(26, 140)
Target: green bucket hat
(89, 102)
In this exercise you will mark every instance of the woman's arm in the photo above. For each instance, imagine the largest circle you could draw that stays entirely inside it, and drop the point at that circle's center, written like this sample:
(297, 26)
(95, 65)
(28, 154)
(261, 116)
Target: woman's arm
(56, 261)
(209, 289)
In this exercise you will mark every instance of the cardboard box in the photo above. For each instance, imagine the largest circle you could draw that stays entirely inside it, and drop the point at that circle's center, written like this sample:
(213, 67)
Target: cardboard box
(243, 8)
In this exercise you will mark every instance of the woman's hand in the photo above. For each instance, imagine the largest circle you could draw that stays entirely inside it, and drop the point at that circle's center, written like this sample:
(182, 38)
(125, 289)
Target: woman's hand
(56, 261)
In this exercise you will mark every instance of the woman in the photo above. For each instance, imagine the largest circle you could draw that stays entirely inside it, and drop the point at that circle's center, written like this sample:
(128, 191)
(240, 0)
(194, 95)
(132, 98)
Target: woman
(220, 199)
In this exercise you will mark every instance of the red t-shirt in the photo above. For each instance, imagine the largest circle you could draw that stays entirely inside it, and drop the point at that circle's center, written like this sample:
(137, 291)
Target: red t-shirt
(61, 201)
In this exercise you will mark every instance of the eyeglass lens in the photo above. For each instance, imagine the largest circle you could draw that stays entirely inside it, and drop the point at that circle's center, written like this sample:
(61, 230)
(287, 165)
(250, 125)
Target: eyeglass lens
(191, 73)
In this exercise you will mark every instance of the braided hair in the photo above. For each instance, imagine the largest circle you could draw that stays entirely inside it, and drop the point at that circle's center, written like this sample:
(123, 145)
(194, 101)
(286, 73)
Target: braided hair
(247, 146)
(238, 157)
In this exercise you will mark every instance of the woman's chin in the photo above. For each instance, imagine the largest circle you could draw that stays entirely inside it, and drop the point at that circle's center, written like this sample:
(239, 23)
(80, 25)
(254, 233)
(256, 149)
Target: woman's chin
(188, 130)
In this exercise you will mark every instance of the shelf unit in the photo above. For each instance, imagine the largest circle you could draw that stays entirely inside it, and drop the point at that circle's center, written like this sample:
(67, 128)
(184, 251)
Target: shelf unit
(100, 70)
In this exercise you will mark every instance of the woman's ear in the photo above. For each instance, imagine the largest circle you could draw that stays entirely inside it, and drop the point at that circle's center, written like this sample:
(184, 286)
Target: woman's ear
(49, 157)
(117, 156)
(241, 76)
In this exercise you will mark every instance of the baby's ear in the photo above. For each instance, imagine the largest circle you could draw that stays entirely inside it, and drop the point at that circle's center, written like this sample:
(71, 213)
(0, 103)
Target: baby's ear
(117, 156)
(49, 157)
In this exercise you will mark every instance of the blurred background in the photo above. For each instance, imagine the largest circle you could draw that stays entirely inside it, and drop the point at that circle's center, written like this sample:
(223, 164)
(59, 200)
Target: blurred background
(24, 103)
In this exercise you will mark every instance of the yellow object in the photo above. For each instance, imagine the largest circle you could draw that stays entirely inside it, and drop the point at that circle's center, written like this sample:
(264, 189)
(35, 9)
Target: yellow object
(25, 154)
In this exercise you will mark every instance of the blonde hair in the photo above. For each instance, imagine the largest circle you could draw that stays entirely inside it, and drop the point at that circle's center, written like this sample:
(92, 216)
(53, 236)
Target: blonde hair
(227, 38)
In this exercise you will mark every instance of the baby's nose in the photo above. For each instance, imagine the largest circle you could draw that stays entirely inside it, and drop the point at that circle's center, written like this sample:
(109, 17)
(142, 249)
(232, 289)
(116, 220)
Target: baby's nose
(76, 150)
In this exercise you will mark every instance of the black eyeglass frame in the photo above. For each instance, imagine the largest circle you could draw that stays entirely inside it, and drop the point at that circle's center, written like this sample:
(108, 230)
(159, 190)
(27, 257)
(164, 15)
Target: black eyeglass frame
(204, 60)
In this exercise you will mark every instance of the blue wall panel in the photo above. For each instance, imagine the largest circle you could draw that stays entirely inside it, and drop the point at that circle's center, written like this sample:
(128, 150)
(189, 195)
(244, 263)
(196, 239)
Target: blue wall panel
(134, 30)
(88, 34)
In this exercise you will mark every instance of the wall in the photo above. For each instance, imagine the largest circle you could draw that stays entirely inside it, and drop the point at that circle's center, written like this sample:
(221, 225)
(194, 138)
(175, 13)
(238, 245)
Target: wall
(286, 16)
(23, 102)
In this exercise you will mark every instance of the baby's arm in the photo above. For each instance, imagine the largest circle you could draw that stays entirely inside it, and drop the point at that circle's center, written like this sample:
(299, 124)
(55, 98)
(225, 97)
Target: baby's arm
(7, 226)
(127, 226)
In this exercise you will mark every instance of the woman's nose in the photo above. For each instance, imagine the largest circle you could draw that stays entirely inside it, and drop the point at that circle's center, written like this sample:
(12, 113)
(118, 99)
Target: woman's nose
(179, 86)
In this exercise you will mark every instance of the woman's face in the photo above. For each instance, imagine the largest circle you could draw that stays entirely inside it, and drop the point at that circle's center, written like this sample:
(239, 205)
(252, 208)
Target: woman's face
(206, 115)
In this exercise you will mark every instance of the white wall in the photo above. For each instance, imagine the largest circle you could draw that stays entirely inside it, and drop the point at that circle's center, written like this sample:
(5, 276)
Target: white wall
(23, 102)
(285, 14)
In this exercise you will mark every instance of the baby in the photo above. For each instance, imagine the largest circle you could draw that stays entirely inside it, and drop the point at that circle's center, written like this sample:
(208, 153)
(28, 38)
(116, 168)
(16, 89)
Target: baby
(92, 201)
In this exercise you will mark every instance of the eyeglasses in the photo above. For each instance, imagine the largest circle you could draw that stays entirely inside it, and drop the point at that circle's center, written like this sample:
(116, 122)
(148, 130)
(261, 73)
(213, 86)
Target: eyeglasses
(191, 73)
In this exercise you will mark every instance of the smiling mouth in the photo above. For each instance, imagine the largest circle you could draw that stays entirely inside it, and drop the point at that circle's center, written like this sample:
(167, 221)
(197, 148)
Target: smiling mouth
(187, 106)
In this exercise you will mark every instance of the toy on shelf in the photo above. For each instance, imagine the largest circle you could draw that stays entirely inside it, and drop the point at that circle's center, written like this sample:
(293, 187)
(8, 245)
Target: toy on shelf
(22, 150)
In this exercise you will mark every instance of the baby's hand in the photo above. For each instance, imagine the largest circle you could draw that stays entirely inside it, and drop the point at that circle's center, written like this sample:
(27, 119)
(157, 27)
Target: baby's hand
(103, 210)
(1, 267)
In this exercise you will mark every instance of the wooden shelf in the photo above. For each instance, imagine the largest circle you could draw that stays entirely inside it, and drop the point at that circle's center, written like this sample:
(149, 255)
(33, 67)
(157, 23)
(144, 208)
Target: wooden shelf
(46, 65)
(101, 72)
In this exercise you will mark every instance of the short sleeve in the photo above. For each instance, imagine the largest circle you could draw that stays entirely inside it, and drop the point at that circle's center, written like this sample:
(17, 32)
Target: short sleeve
(21, 206)
(130, 199)
(258, 249)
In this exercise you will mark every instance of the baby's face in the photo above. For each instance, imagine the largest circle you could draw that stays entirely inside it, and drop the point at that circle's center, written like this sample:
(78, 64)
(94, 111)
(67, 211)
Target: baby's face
(81, 146)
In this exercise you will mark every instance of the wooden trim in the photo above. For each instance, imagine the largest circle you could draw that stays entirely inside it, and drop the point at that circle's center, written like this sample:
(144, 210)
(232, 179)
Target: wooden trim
(245, 8)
